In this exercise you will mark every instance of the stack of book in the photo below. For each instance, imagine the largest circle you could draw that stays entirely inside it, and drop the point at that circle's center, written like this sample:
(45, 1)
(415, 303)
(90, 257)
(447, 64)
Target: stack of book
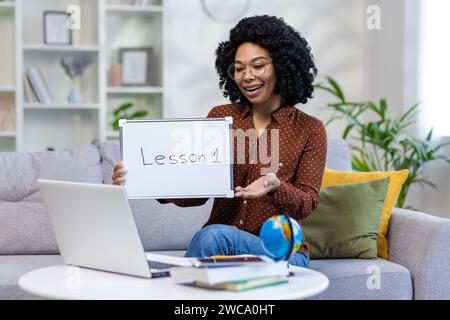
(35, 88)
(236, 273)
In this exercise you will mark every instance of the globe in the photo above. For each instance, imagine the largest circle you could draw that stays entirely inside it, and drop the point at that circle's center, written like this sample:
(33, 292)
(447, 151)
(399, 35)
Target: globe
(275, 236)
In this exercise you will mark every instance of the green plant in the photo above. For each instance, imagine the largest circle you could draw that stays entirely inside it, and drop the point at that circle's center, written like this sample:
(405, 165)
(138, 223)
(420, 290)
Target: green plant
(122, 113)
(385, 143)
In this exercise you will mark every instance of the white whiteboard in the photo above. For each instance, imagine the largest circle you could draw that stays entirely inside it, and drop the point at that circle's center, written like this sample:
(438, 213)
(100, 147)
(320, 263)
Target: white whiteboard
(178, 158)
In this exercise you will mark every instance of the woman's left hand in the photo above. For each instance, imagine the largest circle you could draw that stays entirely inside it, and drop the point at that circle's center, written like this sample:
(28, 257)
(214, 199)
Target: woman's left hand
(260, 187)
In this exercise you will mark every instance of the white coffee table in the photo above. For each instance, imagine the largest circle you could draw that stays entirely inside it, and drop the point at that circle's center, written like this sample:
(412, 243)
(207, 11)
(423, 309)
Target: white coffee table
(66, 282)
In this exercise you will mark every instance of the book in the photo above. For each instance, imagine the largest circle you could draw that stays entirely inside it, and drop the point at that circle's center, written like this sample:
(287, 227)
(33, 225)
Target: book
(243, 285)
(38, 85)
(34, 87)
(201, 262)
(28, 92)
(48, 96)
(212, 274)
(244, 258)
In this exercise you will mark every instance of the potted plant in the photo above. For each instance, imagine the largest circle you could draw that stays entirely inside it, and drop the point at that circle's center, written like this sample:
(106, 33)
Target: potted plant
(384, 143)
(123, 112)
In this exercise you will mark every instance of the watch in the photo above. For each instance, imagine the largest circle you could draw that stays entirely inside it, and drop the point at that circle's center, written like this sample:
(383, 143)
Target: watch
(225, 10)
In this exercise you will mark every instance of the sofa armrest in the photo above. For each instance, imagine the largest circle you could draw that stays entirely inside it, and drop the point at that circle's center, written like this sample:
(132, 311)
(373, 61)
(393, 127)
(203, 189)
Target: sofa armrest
(421, 243)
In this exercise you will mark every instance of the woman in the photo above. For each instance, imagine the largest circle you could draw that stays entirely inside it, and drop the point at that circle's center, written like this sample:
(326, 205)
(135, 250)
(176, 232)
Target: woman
(265, 68)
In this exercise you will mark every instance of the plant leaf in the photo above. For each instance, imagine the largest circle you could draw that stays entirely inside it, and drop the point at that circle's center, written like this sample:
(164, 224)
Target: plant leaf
(122, 108)
(139, 114)
(409, 113)
(383, 109)
(337, 88)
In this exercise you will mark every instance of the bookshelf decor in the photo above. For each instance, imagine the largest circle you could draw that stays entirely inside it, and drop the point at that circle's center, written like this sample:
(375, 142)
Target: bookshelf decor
(74, 66)
(135, 66)
(38, 86)
(7, 117)
(56, 30)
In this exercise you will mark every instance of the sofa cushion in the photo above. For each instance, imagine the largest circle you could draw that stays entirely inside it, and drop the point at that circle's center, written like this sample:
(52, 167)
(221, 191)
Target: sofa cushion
(13, 267)
(110, 154)
(338, 155)
(397, 179)
(355, 279)
(24, 224)
(346, 222)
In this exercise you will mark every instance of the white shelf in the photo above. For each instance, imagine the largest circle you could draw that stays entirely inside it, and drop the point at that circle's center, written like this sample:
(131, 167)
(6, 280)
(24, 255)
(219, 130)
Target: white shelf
(7, 89)
(63, 106)
(7, 5)
(59, 48)
(107, 27)
(7, 134)
(135, 90)
(113, 134)
(122, 8)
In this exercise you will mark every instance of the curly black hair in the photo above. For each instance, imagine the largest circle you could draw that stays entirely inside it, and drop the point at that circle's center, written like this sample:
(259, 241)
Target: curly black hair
(294, 65)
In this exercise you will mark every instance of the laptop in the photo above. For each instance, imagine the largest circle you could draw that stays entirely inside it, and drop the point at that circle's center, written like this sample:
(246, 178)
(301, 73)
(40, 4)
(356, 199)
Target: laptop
(95, 228)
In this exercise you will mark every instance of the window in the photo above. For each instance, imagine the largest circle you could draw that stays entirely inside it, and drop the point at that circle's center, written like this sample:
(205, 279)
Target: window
(434, 66)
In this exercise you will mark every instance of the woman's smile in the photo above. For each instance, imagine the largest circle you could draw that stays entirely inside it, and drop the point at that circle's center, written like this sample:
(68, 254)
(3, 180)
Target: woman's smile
(253, 90)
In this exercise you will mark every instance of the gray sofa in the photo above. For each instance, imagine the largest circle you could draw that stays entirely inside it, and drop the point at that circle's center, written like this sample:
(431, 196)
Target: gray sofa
(418, 268)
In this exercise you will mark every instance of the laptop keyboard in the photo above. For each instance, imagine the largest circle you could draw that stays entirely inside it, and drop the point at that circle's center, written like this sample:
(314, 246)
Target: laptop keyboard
(159, 265)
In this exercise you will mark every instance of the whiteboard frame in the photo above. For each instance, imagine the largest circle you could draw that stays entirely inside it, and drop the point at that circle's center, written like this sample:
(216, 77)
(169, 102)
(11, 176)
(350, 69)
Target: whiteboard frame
(230, 193)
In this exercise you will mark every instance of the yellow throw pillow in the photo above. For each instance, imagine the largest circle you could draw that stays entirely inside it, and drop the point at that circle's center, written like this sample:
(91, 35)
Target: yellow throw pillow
(397, 178)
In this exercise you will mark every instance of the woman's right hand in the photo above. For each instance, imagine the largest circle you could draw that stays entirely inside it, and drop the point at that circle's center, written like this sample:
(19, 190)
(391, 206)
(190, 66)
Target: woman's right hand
(118, 175)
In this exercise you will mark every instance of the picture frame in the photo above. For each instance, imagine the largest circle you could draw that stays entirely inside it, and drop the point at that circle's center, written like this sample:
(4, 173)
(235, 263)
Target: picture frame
(136, 66)
(56, 30)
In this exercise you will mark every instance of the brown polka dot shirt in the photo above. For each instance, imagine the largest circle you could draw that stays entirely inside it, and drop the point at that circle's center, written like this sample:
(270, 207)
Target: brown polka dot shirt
(302, 156)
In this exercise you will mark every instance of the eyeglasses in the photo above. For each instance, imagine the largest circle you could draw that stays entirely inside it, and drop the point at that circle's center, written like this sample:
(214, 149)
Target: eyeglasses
(257, 67)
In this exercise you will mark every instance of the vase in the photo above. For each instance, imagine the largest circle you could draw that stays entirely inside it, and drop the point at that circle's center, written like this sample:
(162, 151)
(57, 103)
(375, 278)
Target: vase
(75, 95)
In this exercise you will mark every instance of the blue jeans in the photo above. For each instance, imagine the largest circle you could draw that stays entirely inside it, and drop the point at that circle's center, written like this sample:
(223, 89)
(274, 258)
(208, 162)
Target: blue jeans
(220, 239)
